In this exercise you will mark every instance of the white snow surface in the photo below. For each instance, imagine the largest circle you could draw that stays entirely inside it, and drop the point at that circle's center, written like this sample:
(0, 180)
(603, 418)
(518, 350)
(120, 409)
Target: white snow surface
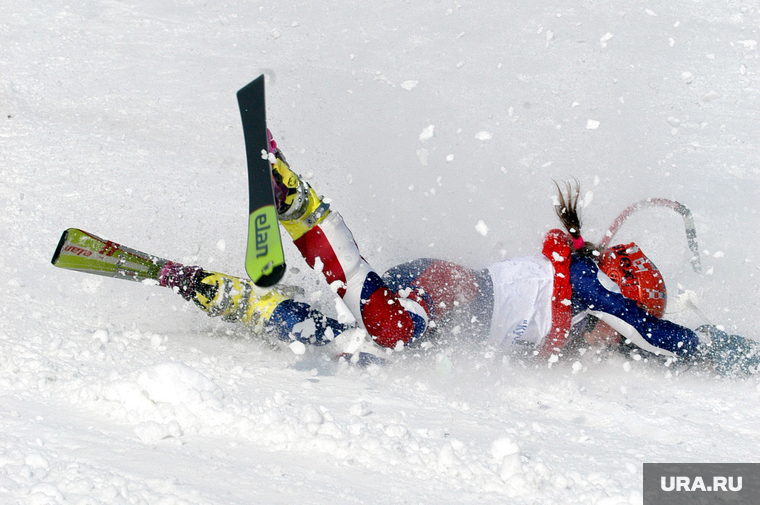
(120, 118)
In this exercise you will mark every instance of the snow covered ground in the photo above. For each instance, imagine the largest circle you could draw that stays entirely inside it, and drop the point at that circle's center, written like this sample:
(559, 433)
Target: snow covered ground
(427, 123)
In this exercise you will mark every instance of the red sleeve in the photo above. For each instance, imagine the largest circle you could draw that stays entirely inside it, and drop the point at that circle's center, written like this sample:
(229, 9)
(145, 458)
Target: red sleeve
(557, 248)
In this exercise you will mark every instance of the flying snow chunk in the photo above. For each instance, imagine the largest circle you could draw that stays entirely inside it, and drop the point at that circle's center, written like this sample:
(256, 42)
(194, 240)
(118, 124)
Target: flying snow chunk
(587, 199)
(484, 135)
(481, 228)
(409, 85)
(605, 38)
(221, 245)
(427, 133)
(592, 124)
(344, 313)
(710, 96)
(549, 37)
(298, 348)
(423, 155)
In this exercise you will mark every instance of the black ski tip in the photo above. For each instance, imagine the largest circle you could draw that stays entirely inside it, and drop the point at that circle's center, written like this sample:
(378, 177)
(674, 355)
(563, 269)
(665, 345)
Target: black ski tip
(251, 86)
(58, 249)
(269, 280)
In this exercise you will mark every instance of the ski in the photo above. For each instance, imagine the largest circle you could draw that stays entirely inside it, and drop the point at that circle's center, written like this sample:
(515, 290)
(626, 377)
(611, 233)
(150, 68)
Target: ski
(85, 252)
(264, 256)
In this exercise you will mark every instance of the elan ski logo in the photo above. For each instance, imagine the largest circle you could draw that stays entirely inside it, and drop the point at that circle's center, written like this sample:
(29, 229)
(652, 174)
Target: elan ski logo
(261, 230)
(77, 251)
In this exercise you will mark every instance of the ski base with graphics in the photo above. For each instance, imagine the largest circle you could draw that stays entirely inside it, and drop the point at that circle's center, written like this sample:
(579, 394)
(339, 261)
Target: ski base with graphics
(84, 252)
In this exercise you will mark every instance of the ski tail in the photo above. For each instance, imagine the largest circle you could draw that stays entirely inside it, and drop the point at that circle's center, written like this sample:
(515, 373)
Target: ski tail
(84, 252)
(264, 257)
(688, 221)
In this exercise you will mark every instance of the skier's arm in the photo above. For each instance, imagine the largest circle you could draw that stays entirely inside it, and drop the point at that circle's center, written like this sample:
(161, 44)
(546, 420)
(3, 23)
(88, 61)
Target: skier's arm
(592, 290)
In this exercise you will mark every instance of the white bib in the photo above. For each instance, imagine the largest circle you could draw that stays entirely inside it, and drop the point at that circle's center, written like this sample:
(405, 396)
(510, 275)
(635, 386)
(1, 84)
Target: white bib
(522, 300)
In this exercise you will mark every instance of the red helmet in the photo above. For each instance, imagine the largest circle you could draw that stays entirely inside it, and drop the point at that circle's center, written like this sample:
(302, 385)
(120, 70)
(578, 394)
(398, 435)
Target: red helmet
(637, 277)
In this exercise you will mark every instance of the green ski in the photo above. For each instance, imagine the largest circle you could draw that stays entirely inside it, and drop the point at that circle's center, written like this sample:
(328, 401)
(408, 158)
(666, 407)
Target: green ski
(84, 252)
(264, 257)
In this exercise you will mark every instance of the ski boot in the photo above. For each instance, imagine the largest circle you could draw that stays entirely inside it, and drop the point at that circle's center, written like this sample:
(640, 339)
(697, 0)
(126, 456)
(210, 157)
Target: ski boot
(729, 354)
(234, 299)
(230, 298)
(299, 208)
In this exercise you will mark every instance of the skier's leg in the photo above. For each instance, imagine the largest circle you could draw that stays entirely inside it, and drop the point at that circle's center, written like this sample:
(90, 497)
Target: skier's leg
(328, 246)
(446, 288)
(239, 300)
(389, 316)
